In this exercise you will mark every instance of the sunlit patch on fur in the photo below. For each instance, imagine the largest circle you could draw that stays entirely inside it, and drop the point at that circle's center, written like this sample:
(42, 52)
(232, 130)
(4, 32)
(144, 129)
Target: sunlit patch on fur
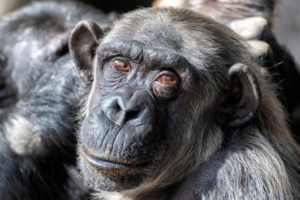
(23, 136)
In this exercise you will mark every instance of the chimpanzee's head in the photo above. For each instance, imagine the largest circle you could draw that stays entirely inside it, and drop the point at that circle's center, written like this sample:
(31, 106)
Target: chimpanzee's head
(164, 84)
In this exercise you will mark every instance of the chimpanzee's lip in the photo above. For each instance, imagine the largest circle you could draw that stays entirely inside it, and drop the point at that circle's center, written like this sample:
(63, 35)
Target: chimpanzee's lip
(107, 165)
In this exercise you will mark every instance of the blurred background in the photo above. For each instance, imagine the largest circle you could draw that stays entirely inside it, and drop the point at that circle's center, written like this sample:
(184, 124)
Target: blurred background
(286, 26)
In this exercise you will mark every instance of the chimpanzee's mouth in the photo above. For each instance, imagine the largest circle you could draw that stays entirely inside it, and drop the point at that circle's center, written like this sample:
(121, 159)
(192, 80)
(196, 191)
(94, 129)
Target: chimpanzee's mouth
(103, 164)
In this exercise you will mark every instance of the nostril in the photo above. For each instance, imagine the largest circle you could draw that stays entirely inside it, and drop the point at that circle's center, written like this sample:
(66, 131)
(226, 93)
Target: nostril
(117, 108)
(132, 115)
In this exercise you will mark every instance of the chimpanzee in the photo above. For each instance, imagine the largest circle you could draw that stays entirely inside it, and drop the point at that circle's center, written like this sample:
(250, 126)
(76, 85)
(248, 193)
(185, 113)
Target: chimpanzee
(40, 91)
(285, 73)
(179, 109)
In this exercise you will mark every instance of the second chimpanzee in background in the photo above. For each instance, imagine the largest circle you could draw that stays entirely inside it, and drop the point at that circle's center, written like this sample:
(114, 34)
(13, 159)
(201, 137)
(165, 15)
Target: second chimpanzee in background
(39, 97)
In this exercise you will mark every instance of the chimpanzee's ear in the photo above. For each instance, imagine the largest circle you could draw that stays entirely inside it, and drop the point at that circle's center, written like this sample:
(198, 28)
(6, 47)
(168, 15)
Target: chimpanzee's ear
(242, 99)
(83, 42)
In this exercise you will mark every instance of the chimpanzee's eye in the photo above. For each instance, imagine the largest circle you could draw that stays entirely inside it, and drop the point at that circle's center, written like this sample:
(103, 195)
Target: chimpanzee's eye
(167, 79)
(166, 84)
(121, 65)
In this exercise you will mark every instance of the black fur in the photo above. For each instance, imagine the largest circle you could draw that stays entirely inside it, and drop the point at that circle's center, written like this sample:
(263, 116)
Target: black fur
(285, 73)
(51, 104)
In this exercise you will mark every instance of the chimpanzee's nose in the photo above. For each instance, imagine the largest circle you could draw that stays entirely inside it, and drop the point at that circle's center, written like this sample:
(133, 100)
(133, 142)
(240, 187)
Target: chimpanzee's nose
(127, 104)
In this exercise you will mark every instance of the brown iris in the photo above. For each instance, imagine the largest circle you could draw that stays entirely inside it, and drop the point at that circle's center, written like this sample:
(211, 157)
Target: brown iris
(121, 65)
(166, 79)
